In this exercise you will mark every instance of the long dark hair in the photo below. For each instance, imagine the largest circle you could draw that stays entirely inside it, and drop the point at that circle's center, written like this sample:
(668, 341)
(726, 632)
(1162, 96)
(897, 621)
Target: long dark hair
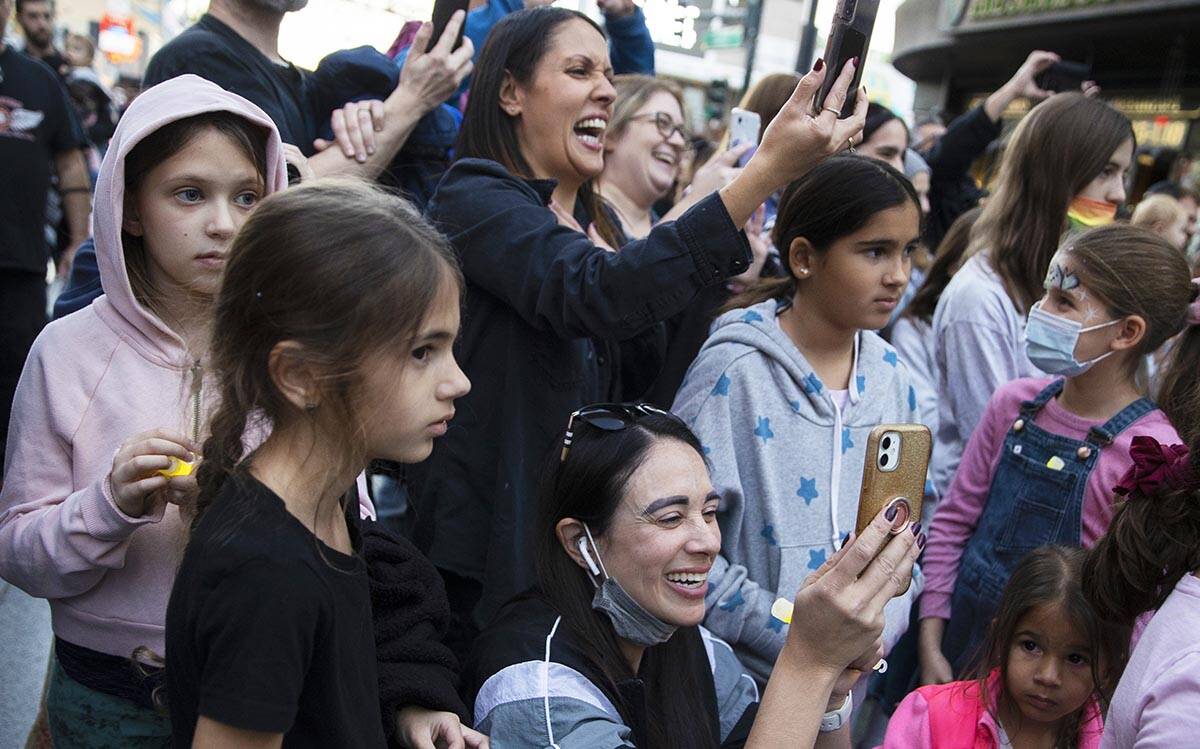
(589, 486)
(946, 263)
(514, 47)
(1051, 575)
(297, 271)
(836, 198)
(1057, 149)
(1152, 542)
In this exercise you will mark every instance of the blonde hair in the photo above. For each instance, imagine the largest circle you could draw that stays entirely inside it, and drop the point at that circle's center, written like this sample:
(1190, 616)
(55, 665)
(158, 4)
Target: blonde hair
(633, 91)
(1157, 213)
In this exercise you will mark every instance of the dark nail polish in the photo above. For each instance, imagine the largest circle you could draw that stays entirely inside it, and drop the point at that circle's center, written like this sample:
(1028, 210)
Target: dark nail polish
(890, 513)
(916, 528)
(820, 63)
(845, 540)
(855, 61)
(921, 541)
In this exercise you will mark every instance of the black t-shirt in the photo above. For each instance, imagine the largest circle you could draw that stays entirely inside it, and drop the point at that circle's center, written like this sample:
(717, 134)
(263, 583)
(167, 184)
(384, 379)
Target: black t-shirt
(212, 50)
(268, 629)
(36, 124)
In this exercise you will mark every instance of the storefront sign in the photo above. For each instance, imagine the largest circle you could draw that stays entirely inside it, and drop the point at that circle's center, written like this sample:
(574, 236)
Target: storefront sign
(987, 10)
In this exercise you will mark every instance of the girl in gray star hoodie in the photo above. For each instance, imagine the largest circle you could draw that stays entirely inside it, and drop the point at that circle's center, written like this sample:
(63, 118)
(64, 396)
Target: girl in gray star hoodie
(787, 388)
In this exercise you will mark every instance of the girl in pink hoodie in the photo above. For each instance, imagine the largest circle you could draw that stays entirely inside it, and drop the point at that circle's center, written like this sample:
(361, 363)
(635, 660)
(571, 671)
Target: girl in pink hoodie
(113, 393)
(1049, 660)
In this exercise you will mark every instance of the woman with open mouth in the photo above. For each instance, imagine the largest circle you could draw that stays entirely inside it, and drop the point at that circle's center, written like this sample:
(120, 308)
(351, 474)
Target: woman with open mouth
(547, 301)
(644, 146)
(607, 649)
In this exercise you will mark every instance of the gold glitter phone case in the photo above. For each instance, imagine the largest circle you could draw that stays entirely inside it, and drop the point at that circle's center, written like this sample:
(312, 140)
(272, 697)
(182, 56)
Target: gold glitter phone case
(896, 464)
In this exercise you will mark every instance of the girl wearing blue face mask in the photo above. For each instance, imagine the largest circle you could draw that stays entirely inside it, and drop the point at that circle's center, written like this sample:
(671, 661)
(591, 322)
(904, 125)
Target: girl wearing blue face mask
(1040, 467)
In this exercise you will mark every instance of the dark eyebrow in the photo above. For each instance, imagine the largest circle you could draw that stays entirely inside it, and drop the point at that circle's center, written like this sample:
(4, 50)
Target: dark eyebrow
(658, 504)
(876, 242)
(1030, 634)
(197, 179)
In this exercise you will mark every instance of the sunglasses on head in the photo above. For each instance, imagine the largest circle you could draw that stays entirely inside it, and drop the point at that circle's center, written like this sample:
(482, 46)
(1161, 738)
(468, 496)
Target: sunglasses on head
(611, 417)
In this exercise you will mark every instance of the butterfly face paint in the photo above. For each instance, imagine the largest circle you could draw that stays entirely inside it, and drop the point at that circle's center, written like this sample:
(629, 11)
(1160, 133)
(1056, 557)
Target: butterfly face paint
(1062, 278)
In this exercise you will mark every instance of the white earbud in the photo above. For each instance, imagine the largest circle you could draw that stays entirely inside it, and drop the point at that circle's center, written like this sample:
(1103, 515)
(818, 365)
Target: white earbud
(587, 557)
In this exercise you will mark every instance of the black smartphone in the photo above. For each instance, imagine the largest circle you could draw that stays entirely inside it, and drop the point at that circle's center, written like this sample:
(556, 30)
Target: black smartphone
(1063, 76)
(442, 11)
(849, 37)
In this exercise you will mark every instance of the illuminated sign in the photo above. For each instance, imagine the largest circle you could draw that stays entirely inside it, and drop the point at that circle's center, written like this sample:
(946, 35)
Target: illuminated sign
(986, 10)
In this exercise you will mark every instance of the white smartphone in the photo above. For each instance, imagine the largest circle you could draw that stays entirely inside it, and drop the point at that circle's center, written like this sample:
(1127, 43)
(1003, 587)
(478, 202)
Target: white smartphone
(743, 127)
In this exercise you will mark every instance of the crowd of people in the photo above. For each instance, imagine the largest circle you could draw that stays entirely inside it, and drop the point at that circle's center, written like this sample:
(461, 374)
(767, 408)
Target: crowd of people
(461, 397)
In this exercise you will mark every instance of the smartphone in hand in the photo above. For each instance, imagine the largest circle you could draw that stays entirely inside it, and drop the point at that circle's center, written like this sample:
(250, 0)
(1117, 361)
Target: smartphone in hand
(744, 127)
(896, 464)
(1063, 76)
(443, 10)
(849, 37)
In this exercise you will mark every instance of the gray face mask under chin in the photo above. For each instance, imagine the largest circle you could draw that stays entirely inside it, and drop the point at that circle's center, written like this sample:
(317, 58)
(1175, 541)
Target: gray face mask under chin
(630, 621)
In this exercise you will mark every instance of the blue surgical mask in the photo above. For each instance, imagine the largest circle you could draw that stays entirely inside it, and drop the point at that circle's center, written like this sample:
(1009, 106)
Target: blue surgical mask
(1050, 342)
(630, 621)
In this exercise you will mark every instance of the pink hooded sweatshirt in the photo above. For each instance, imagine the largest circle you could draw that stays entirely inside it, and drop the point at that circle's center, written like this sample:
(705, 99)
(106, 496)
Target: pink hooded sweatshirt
(94, 379)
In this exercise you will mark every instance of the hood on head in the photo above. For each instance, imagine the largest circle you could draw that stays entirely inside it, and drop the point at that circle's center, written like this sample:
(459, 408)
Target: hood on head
(170, 101)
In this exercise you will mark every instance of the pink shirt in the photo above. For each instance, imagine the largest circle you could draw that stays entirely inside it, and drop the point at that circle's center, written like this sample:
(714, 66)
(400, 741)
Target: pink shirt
(958, 513)
(953, 716)
(1157, 702)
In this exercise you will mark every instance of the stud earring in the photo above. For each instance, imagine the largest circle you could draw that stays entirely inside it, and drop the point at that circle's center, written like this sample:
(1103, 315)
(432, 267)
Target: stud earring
(310, 407)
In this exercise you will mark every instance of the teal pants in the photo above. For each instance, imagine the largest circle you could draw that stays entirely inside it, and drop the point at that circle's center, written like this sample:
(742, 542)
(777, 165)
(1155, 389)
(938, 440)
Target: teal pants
(82, 718)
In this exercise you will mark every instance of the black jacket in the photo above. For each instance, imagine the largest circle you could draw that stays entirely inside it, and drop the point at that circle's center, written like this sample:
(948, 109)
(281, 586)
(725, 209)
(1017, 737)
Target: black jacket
(952, 192)
(410, 612)
(545, 312)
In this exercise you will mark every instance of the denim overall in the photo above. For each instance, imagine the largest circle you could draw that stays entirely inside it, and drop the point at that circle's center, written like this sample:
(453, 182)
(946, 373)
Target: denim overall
(1029, 504)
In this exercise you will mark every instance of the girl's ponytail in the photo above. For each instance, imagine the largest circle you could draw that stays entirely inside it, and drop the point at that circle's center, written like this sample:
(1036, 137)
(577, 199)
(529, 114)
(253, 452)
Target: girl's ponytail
(1179, 390)
(222, 451)
(1154, 538)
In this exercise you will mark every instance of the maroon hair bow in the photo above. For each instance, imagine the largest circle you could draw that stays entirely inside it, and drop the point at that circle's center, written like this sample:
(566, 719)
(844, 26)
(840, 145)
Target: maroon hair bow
(1155, 466)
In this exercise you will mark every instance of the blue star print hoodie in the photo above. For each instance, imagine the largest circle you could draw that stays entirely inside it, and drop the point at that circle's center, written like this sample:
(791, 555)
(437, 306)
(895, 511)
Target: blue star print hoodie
(788, 464)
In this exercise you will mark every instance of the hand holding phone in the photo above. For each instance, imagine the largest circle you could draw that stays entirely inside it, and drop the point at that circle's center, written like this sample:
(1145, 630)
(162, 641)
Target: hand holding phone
(849, 39)
(894, 471)
(443, 11)
(744, 127)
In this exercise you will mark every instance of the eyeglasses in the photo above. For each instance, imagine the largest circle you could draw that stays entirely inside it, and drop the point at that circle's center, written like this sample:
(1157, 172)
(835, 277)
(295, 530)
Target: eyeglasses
(666, 125)
(611, 417)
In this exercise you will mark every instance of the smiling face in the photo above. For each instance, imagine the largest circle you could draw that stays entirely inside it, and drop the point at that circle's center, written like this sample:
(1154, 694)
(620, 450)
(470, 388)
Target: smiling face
(641, 162)
(858, 280)
(408, 396)
(887, 144)
(187, 210)
(663, 537)
(1109, 185)
(563, 112)
(1049, 669)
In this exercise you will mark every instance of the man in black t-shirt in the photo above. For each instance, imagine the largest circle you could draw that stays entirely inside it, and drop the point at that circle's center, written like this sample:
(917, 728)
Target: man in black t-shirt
(37, 130)
(236, 46)
(36, 19)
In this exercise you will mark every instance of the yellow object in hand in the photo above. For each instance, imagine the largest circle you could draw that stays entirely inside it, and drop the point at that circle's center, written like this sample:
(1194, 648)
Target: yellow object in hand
(782, 610)
(177, 468)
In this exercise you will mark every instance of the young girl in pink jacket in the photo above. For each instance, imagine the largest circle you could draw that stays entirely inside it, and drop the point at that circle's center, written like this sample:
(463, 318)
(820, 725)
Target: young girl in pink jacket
(112, 394)
(1049, 661)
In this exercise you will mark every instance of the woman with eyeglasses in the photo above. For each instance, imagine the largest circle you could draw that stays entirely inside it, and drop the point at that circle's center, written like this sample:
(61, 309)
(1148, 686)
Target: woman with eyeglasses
(607, 649)
(547, 299)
